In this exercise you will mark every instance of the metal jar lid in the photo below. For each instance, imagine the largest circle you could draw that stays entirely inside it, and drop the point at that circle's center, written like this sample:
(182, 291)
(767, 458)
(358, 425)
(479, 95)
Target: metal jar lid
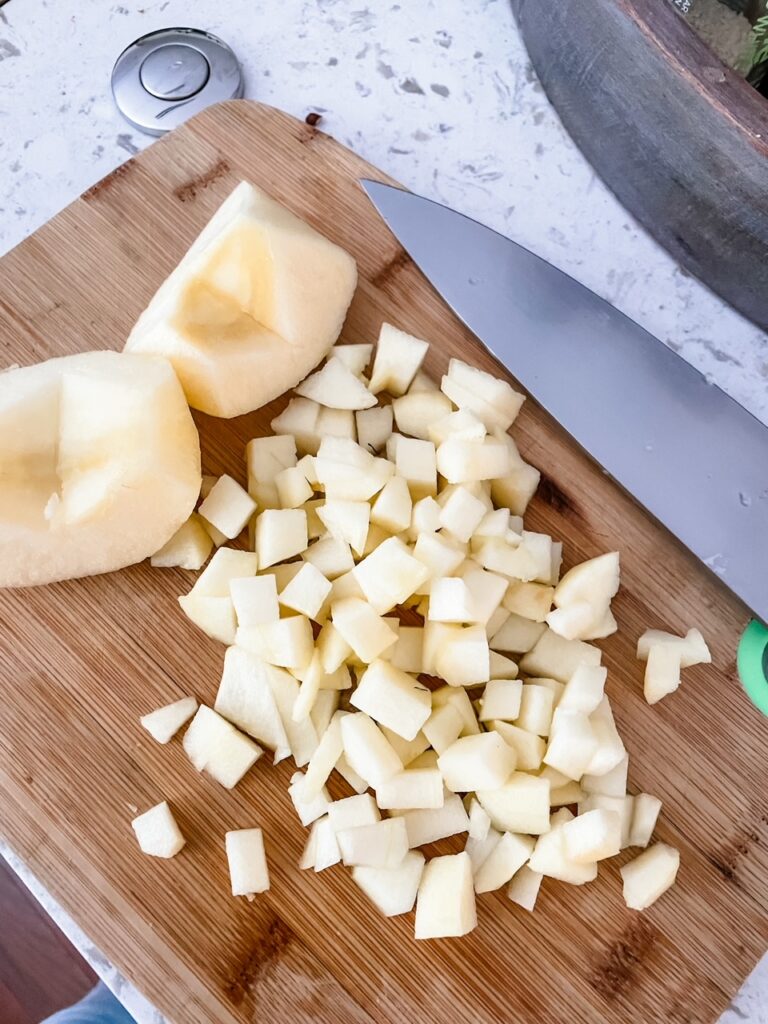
(168, 76)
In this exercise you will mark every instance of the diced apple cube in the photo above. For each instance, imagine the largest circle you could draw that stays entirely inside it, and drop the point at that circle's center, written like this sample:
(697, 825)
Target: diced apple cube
(549, 856)
(623, 806)
(477, 762)
(333, 648)
(380, 845)
(255, 600)
(428, 825)
(406, 750)
(528, 747)
(501, 699)
(374, 427)
(662, 672)
(612, 783)
(214, 615)
(645, 813)
(502, 667)
(332, 557)
(585, 689)
(416, 411)
(463, 425)
(536, 704)
(692, 647)
(226, 565)
(426, 760)
(245, 699)
(350, 776)
(299, 421)
(407, 653)
(353, 811)
(415, 461)
(367, 633)
(398, 357)
(504, 860)
(335, 386)
(280, 534)
(487, 590)
(610, 747)
(393, 507)
(530, 600)
(518, 635)
(267, 456)
(157, 832)
(392, 890)
(412, 789)
(594, 581)
(293, 488)
(524, 888)
(355, 357)
(515, 490)
(439, 555)
(347, 521)
(228, 507)
(325, 707)
(592, 836)
(557, 658)
(306, 592)
(323, 760)
(336, 423)
(367, 750)
(464, 461)
(479, 820)
(445, 905)
(326, 850)
(487, 389)
(389, 575)
(287, 643)
(450, 601)
(165, 722)
(465, 658)
(247, 863)
(496, 621)
(215, 746)
(422, 382)
(575, 621)
(188, 548)
(392, 698)
(572, 744)
(649, 875)
(520, 805)
(308, 810)
(425, 518)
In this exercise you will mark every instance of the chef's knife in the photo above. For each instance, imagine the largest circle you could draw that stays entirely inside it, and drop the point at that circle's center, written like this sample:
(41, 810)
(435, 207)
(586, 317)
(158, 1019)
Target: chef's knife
(695, 458)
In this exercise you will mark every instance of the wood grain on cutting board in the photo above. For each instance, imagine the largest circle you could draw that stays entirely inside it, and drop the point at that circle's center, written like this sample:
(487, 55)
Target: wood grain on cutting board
(80, 661)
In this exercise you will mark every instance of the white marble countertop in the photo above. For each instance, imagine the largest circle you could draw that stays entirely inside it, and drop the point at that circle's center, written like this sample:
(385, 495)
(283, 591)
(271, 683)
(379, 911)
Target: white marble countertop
(446, 103)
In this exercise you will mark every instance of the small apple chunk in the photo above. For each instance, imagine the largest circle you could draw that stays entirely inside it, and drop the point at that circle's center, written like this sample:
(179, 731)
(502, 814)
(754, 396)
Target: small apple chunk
(280, 534)
(100, 463)
(536, 705)
(645, 813)
(584, 690)
(398, 358)
(393, 507)
(416, 411)
(649, 875)
(445, 905)
(557, 658)
(255, 304)
(528, 747)
(215, 616)
(382, 844)
(293, 488)
(367, 633)
(353, 811)
(188, 548)
(215, 746)
(692, 647)
(389, 575)
(501, 700)
(479, 820)
(481, 762)
(306, 592)
(165, 722)
(287, 643)
(308, 810)
(411, 789)
(530, 600)
(392, 698)
(592, 836)
(464, 660)
(245, 698)
(392, 890)
(443, 727)
(572, 744)
(255, 600)
(347, 521)
(336, 387)
(428, 825)
(157, 832)
(549, 856)
(247, 863)
(520, 805)
(415, 461)
(505, 859)
(524, 888)
(367, 749)
(228, 507)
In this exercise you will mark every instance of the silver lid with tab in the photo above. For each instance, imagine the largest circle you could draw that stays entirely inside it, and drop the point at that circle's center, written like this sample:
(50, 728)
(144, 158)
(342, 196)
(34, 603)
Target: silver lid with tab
(165, 77)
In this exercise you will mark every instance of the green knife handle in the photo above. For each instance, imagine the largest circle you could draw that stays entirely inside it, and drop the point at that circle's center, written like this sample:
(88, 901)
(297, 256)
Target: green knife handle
(752, 662)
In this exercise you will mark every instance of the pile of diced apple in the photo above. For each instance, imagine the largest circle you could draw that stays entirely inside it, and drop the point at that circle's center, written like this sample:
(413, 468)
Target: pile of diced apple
(393, 621)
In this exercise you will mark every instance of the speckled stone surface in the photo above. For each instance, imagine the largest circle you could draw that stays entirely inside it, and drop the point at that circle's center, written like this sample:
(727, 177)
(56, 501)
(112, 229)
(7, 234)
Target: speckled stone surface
(443, 100)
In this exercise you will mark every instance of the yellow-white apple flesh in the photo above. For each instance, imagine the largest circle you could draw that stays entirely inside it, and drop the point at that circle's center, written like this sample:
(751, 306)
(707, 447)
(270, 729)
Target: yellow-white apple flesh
(507, 857)
(649, 875)
(427, 825)
(392, 890)
(520, 805)
(165, 722)
(524, 888)
(247, 863)
(157, 833)
(255, 304)
(445, 904)
(99, 463)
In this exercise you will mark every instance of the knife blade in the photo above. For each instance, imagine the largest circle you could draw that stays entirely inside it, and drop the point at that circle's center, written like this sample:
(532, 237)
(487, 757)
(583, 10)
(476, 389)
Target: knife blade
(691, 455)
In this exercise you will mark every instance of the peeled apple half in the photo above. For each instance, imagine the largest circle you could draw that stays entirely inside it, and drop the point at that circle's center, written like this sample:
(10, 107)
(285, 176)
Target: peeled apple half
(254, 305)
(99, 465)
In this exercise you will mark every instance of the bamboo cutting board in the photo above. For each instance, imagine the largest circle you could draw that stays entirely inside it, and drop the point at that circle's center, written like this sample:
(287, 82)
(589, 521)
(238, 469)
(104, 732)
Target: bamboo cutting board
(80, 661)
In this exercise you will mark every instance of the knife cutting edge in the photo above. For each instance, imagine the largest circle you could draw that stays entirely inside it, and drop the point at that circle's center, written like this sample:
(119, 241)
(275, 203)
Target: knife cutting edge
(670, 437)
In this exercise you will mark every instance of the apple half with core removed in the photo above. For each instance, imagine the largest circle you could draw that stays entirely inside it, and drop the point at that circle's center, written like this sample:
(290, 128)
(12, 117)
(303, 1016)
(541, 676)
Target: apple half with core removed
(99, 465)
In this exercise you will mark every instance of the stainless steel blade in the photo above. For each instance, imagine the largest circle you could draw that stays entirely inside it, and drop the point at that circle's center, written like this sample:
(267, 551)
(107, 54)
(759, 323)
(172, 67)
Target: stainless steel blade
(691, 455)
